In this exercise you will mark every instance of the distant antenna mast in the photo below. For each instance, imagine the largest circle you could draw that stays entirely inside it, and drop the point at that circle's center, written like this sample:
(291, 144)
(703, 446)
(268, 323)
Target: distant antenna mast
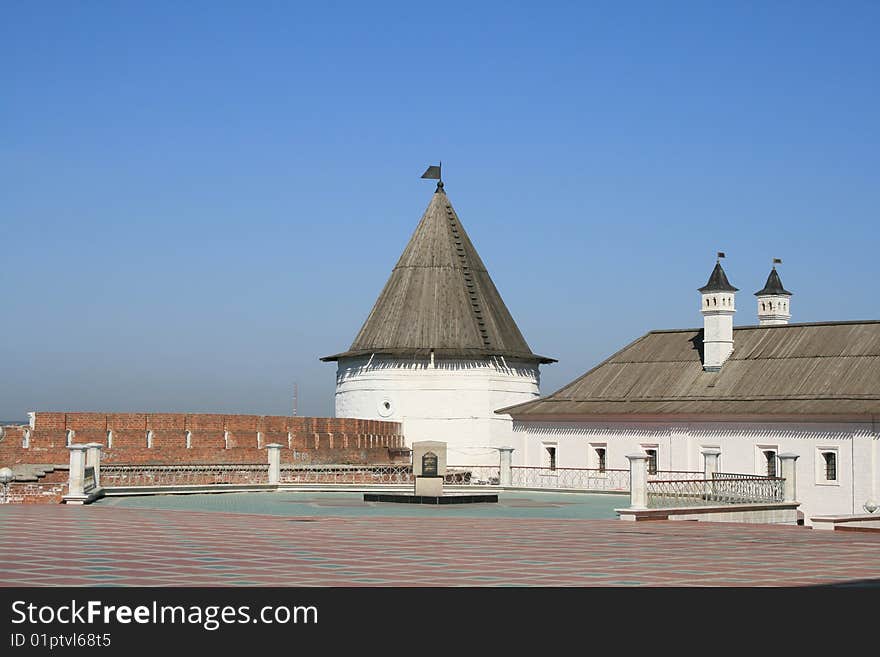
(295, 397)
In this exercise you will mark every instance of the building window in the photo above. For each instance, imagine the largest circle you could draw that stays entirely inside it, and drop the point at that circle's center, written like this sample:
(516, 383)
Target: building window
(770, 458)
(826, 462)
(600, 459)
(550, 457)
(830, 465)
(652, 460)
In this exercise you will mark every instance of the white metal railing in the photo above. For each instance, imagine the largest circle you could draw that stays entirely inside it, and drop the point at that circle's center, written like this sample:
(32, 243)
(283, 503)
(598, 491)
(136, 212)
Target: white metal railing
(472, 475)
(722, 488)
(88, 478)
(570, 478)
(347, 474)
(183, 475)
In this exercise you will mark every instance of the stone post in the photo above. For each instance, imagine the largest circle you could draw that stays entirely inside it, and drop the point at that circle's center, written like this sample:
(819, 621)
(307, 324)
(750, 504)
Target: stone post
(788, 465)
(76, 478)
(710, 461)
(93, 460)
(274, 450)
(638, 481)
(505, 473)
(710, 467)
(6, 476)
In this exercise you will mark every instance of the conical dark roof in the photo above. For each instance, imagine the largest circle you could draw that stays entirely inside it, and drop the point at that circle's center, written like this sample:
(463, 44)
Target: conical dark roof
(718, 281)
(773, 285)
(440, 298)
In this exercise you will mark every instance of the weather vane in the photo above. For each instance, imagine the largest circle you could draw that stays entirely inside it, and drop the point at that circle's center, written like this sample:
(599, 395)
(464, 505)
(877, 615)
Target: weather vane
(721, 255)
(433, 172)
(777, 261)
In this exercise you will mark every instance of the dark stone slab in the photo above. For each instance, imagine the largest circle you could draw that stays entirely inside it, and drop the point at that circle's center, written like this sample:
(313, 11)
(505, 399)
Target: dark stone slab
(409, 498)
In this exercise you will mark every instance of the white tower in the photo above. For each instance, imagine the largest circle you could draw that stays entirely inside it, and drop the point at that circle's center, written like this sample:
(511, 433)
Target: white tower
(717, 303)
(439, 351)
(774, 300)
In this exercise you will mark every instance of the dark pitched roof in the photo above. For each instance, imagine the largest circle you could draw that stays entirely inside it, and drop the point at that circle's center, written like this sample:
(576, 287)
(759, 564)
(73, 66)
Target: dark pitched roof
(440, 298)
(718, 281)
(773, 285)
(795, 369)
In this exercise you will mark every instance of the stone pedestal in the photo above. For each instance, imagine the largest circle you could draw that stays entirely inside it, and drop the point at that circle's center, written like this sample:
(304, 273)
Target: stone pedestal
(638, 481)
(788, 466)
(710, 467)
(505, 470)
(429, 486)
(76, 478)
(93, 460)
(429, 467)
(710, 461)
(274, 450)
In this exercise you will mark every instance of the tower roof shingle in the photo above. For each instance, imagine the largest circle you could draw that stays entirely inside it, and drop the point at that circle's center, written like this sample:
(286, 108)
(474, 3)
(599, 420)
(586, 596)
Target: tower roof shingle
(773, 285)
(440, 298)
(718, 281)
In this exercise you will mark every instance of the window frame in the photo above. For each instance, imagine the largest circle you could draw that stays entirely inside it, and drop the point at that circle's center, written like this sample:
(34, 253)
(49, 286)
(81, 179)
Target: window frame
(594, 461)
(656, 458)
(761, 460)
(550, 460)
(821, 465)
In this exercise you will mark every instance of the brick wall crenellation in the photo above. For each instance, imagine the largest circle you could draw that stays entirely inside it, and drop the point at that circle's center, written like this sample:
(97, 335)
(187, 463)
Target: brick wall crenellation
(214, 438)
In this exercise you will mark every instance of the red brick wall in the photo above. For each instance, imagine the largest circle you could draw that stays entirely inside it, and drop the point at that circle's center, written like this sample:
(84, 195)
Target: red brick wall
(48, 490)
(214, 438)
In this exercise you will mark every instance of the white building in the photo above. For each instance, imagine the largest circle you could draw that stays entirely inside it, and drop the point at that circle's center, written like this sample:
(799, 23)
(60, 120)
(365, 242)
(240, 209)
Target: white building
(439, 351)
(753, 392)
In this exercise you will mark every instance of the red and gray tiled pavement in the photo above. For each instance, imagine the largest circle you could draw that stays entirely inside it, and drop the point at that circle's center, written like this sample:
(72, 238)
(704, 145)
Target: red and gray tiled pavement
(114, 546)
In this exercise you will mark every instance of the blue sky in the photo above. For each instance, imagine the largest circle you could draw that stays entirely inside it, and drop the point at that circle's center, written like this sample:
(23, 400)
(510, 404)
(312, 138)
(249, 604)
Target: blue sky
(198, 200)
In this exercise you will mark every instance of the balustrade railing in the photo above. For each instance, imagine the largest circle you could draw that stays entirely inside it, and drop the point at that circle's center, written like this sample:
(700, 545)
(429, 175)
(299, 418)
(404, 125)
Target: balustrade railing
(721, 489)
(347, 474)
(183, 475)
(473, 475)
(664, 488)
(88, 478)
(570, 478)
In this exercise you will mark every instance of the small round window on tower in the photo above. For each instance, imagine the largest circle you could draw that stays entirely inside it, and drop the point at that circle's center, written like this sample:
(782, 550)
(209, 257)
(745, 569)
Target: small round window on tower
(385, 408)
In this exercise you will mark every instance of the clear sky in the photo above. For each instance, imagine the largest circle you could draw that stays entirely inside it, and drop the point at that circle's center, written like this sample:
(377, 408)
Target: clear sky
(200, 199)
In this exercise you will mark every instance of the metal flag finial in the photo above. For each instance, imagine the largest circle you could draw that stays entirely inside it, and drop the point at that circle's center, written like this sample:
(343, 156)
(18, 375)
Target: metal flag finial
(434, 172)
(721, 255)
(777, 261)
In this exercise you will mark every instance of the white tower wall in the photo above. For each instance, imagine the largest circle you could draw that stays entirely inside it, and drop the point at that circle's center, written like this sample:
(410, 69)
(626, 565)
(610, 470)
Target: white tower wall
(773, 309)
(717, 309)
(453, 401)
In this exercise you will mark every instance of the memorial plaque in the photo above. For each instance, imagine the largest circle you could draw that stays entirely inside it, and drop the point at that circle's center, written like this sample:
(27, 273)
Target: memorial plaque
(429, 464)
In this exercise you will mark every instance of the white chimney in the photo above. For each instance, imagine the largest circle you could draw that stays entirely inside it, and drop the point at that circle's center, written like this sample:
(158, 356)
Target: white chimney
(717, 304)
(774, 301)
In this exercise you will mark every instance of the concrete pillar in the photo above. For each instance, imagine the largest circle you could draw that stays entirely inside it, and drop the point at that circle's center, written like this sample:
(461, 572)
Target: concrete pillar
(506, 464)
(6, 476)
(710, 467)
(788, 465)
(638, 481)
(76, 477)
(93, 460)
(710, 461)
(274, 450)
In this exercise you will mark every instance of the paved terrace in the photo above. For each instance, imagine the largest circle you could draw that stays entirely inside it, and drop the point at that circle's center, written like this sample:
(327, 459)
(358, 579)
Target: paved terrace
(108, 545)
